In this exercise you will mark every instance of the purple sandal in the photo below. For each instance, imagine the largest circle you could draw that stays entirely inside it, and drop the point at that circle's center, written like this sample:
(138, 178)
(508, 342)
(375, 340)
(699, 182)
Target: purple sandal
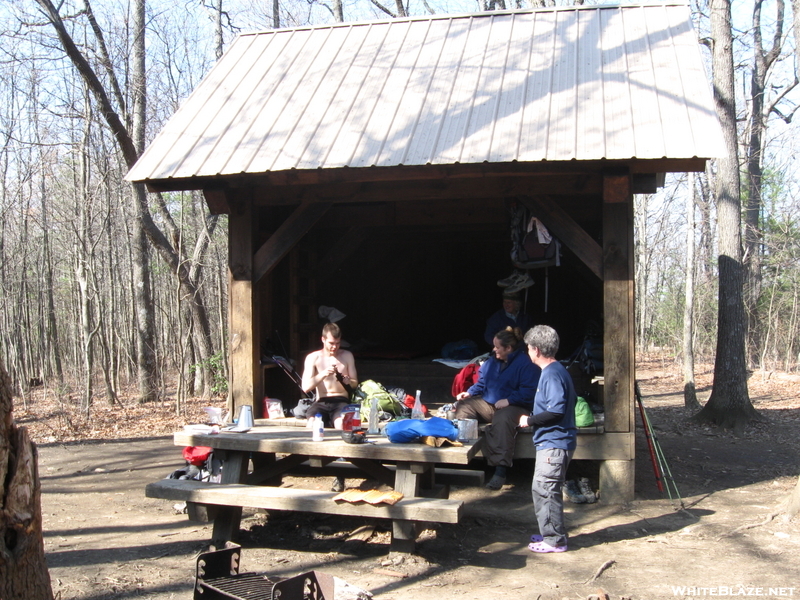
(542, 548)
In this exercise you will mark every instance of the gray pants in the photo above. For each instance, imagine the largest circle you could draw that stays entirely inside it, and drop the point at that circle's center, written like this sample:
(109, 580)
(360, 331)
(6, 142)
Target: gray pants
(500, 436)
(548, 501)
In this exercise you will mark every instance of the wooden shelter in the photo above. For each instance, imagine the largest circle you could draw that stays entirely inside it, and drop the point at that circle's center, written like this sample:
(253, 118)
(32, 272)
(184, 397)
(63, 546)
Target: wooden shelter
(370, 166)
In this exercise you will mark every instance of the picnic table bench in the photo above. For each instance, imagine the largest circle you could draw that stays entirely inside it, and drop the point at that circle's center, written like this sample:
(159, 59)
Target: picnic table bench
(275, 451)
(435, 510)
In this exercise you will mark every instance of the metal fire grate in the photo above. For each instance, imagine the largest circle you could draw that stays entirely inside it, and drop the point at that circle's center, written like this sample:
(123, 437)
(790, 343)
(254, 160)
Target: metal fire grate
(218, 578)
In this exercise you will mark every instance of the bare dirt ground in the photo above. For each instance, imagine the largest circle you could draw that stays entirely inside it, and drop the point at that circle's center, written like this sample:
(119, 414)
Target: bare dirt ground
(105, 540)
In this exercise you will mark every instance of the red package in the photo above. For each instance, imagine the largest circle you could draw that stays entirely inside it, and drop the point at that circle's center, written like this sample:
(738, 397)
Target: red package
(196, 455)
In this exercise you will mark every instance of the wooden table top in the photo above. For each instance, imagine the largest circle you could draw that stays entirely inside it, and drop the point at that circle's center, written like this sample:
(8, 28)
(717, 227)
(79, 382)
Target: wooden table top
(295, 440)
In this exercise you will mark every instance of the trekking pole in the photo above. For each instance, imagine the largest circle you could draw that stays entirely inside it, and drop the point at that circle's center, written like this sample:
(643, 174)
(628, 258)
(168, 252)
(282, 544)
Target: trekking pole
(653, 439)
(669, 480)
(648, 436)
(667, 473)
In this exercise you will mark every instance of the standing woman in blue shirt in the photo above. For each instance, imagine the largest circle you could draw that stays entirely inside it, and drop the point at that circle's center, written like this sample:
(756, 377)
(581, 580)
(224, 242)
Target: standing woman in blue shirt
(554, 435)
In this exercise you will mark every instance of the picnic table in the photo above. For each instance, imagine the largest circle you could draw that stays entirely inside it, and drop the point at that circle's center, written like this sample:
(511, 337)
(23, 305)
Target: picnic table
(274, 451)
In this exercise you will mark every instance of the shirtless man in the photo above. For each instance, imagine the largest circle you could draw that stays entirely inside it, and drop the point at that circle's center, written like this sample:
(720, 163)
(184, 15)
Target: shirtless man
(328, 371)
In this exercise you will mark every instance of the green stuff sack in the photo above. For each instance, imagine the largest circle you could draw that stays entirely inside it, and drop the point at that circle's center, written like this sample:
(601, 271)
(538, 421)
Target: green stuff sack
(367, 390)
(583, 414)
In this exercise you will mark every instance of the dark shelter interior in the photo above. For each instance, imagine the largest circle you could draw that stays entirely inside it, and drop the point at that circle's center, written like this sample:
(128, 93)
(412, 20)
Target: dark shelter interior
(413, 277)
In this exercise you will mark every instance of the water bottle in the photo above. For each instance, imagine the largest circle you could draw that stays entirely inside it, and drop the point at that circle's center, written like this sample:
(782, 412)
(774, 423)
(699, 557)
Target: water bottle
(318, 433)
(373, 417)
(416, 412)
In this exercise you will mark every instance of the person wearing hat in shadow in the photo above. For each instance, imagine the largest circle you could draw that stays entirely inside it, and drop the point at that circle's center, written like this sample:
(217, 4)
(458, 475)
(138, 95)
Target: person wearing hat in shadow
(511, 315)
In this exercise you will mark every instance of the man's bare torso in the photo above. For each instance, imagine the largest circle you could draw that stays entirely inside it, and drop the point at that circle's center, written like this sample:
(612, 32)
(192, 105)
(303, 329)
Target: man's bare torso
(328, 370)
(330, 386)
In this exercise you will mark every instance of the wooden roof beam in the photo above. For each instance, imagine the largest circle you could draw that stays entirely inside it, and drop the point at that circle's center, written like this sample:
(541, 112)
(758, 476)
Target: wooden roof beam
(217, 201)
(446, 189)
(286, 236)
(567, 230)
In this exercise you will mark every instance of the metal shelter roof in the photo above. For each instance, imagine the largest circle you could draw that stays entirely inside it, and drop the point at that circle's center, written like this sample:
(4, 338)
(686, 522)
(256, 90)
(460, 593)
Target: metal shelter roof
(560, 84)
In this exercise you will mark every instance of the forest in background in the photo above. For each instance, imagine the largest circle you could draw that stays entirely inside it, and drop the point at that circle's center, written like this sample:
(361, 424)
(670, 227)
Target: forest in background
(103, 286)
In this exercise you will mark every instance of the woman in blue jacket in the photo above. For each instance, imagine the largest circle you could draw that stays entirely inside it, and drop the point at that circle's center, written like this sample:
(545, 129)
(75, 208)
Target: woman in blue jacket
(503, 393)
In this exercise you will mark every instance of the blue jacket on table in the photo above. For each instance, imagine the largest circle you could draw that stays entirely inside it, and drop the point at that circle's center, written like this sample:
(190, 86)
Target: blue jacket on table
(500, 320)
(515, 380)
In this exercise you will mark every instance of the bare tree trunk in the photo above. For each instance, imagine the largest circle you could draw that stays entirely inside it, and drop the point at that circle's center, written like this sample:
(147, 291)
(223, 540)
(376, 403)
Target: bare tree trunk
(106, 312)
(52, 347)
(183, 340)
(796, 27)
(689, 393)
(23, 570)
(762, 62)
(706, 237)
(789, 354)
(83, 250)
(338, 11)
(729, 404)
(641, 268)
(145, 320)
(218, 38)
(143, 301)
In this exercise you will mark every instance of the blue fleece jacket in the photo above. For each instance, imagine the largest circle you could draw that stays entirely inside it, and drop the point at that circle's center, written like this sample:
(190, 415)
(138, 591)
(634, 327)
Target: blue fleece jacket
(515, 380)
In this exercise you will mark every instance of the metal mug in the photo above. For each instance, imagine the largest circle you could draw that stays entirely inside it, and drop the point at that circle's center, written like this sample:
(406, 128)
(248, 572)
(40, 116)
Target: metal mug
(245, 417)
(467, 430)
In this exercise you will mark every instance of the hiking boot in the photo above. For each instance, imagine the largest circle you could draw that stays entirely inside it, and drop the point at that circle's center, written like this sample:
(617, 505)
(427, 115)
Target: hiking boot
(573, 493)
(586, 489)
(522, 282)
(338, 485)
(511, 279)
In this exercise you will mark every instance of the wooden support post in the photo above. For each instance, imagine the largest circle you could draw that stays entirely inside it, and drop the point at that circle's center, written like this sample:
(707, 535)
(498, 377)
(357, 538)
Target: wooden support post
(267, 470)
(228, 518)
(201, 513)
(375, 470)
(618, 327)
(404, 533)
(616, 481)
(427, 475)
(245, 372)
